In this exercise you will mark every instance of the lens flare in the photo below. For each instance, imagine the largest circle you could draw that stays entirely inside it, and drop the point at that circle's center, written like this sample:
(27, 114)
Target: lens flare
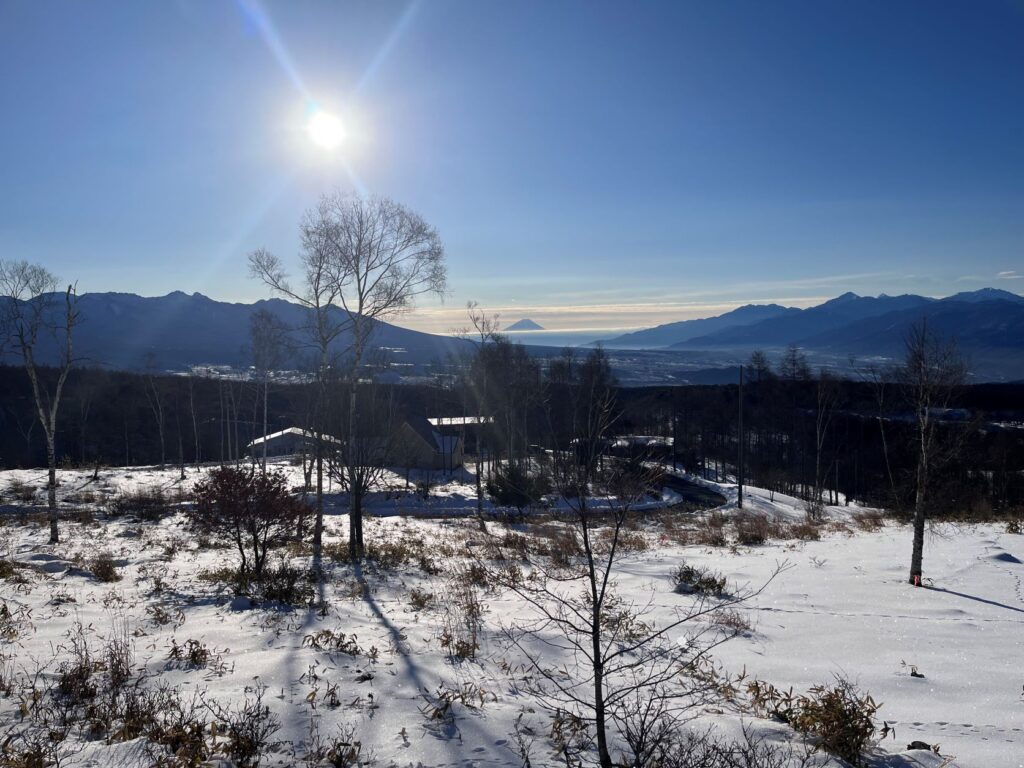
(325, 130)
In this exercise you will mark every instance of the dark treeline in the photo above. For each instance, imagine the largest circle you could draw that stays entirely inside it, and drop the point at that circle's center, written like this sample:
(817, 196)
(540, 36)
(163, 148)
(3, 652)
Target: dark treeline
(835, 439)
(117, 418)
(814, 436)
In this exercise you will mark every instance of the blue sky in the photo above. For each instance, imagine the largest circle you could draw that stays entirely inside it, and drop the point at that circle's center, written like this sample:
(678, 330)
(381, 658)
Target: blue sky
(590, 165)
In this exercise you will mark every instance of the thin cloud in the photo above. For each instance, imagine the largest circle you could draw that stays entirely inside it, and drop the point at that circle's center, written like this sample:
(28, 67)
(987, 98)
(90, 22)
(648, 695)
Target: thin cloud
(1010, 274)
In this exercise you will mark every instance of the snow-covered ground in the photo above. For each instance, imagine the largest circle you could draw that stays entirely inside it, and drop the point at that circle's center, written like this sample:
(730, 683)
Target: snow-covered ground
(841, 607)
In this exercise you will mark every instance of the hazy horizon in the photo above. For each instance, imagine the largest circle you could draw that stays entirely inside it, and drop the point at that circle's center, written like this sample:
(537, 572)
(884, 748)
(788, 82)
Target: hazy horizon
(420, 319)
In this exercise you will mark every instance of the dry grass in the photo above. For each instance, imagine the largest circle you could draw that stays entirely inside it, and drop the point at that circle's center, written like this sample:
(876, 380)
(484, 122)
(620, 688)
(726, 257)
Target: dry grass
(868, 520)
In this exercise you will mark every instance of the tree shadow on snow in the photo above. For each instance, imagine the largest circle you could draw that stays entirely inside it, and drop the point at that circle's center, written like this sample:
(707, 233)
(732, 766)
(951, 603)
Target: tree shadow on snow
(977, 599)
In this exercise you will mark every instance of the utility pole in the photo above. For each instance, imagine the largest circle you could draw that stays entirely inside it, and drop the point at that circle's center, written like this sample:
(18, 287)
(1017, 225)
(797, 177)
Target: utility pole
(739, 445)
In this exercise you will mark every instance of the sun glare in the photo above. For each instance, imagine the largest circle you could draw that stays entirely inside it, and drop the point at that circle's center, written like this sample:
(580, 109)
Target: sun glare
(326, 130)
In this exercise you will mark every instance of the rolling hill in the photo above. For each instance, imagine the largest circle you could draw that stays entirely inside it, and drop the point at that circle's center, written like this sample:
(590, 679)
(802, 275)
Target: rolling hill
(794, 326)
(129, 332)
(671, 333)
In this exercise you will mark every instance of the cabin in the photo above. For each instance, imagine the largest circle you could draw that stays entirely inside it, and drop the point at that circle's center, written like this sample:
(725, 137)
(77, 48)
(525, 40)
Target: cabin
(289, 442)
(420, 444)
(473, 430)
(415, 444)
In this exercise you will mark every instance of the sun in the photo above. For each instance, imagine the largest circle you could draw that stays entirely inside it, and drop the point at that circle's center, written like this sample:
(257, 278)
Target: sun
(326, 130)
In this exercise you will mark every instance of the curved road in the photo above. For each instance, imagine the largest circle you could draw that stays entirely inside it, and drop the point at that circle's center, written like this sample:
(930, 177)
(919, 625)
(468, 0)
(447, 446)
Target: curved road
(693, 493)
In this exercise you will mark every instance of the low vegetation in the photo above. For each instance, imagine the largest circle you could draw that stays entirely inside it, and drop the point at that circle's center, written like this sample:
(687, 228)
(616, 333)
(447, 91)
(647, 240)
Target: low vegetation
(838, 717)
(691, 579)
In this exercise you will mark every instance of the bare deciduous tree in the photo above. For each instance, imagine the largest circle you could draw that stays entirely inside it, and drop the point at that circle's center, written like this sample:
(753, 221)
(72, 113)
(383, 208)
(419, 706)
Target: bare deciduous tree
(932, 370)
(826, 396)
(371, 258)
(382, 256)
(155, 398)
(361, 464)
(269, 341)
(485, 328)
(32, 308)
(879, 380)
(317, 294)
(631, 683)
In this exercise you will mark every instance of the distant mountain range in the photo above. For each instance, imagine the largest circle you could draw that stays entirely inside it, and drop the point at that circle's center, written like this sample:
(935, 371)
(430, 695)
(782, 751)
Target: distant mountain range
(125, 331)
(987, 324)
(129, 332)
(664, 336)
(526, 324)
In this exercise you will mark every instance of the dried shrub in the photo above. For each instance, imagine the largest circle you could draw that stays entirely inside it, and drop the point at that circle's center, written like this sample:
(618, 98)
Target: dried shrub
(838, 717)
(559, 542)
(386, 554)
(13, 623)
(177, 736)
(463, 616)
(81, 497)
(680, 748)
(752, 530)
(515, 544)
(248, 728)
(8, 569)
(420, 599)
(80, 516)
(227, 577)
(148, 504)
(22, 491)
(390, 554)
(805, 531)
(252, 509)
(627, 541)
(285, 584)
(423, 489)
(441, 705)
(733, 621)
(104, 568)
(191, 653)
(162, 616)
(692, 579)
(711, 531)
(75, 679)
(868, 519)
(428, 564)
(343, 750)
(333, 642)
(118, 657)
(677, 535)
(815, 510)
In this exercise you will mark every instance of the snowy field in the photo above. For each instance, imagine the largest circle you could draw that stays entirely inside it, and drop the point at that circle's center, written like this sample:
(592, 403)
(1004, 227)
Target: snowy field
(840, 607)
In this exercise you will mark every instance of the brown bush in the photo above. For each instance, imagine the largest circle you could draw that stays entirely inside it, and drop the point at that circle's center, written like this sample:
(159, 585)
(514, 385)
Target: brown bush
(839, 717)
(805, 531)
(252, 509)
(732, 620)
(868, 519)
(752, 530)
(104, 568)
(690, 579)
(420, 598)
